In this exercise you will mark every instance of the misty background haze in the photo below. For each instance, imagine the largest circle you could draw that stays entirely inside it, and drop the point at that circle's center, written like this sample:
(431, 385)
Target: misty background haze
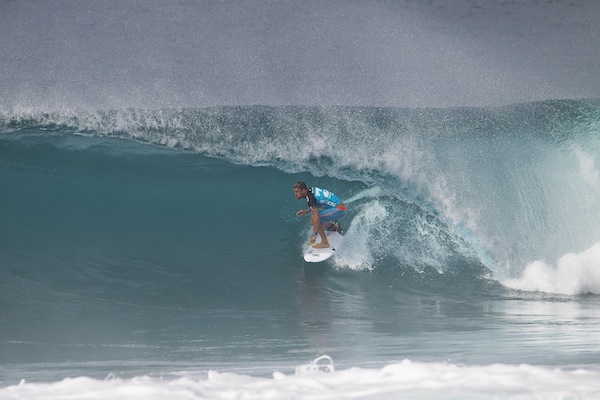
(407, 53)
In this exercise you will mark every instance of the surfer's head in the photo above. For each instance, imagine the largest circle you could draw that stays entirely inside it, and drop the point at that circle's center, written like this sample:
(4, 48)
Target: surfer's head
(300, 190)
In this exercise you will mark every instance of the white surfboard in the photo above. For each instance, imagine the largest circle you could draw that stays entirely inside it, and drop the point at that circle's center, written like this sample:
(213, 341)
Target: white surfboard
(335, 240)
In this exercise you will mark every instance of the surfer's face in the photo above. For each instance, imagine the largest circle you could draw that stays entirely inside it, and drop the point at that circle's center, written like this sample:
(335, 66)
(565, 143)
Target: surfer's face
(300, 193)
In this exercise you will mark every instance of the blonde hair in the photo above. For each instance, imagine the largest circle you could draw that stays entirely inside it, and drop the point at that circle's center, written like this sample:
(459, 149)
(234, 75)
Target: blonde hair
(300, 185)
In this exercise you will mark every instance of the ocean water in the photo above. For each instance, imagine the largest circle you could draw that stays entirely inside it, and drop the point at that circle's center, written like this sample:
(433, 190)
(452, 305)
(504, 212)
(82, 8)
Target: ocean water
(149, 247)
(152, 253)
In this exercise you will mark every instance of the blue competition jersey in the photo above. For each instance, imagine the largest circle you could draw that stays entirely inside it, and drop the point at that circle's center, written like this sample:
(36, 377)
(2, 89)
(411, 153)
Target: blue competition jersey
(318, 197)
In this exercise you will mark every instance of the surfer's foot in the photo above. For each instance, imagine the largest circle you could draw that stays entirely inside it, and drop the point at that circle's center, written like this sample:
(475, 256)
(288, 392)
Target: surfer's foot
(333, 227)
(322, 245)
(313, 238)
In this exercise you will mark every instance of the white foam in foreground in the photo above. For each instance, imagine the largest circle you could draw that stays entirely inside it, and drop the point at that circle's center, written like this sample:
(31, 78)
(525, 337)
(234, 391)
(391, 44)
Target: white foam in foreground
(403, 380)
(573, 274)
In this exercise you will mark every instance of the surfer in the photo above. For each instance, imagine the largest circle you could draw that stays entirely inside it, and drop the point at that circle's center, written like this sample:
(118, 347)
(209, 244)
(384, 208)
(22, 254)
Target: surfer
(326, 209)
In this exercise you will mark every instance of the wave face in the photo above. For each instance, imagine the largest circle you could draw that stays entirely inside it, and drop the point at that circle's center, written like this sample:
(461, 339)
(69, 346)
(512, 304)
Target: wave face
(168, 238)
(504, 186)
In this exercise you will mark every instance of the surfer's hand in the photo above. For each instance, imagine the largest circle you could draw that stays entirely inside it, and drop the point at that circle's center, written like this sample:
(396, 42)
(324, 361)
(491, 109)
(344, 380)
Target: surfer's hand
(301, 213)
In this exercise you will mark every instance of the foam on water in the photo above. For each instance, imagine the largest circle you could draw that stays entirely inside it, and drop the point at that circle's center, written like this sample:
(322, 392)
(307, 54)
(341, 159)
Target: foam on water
(572, 274)
(320, 380)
